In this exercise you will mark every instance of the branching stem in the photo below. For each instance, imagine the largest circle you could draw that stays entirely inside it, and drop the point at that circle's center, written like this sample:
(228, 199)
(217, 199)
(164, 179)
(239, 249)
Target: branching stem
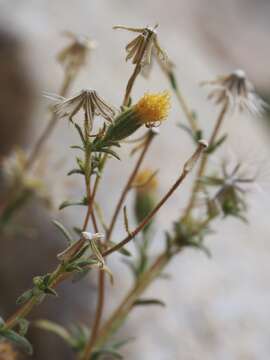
(204, 161)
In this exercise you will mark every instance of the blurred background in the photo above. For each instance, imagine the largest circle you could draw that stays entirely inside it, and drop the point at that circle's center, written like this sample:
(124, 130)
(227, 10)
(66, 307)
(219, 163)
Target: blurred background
(217, 308)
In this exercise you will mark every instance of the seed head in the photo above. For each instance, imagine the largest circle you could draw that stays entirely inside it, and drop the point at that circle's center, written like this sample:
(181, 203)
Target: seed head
(236, 90)
(88, 101)
(75, 54)
(144, 47)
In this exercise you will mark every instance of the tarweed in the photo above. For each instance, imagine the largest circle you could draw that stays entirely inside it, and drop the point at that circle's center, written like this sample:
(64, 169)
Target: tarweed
(87, 250)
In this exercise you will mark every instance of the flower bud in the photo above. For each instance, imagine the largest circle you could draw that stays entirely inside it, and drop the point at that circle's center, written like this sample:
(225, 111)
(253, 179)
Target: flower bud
(150, 110)
(145, 197)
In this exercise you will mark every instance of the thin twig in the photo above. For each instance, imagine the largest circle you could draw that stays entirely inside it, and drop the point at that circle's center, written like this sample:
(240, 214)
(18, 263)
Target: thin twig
(186, 170)
(204, 160)
(60, 276)
(98, 316)
(101, 280)
(182, 101)
(37, 148)
(128, 185)
(126, 305)
(101, 275)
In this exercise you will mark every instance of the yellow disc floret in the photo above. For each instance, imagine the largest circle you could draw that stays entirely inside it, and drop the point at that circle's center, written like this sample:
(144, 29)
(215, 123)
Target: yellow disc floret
(153, 108)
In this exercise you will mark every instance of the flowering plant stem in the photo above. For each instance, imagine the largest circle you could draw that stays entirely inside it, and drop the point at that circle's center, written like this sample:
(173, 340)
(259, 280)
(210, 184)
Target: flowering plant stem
(101, 276)
(186, 170)
(60, 275)
(204, 159)
(119, 315)
(134, 75)
(188, 113)
(128, 185)
(168, 71)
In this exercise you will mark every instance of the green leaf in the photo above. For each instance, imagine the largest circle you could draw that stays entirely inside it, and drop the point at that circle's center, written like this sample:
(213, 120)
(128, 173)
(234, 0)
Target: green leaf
(85, 263)
(214, 146)
(80, 164)
(80, 265)
(113, 143)
(63, 230)
(2, 322)
(200, 246)
(131, 266)
(80, 275)
(110, 152)
(54, 328)
(122, 251)
(120, 343)
(196, 136)
(27, 295)
(75, 171)
(99, 355)
(77, 230)
(173, 80)
(67, 203)
(186, 128)
(142, 302)
(23, 326)
(77, 147)
(80, 133)
(46, 279)
(17, 339)
(50, 291)
(81, 252)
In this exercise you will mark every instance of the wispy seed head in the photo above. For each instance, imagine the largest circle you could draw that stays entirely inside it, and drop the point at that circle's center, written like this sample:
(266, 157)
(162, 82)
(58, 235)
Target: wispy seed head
(236, 90)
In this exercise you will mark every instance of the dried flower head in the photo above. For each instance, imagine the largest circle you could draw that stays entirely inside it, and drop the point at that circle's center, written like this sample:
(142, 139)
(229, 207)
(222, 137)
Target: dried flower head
(234, 181)
(75, 54)
(144, 46)
(31, 182)
(95, 237)
(88, 101)
(236, 90)
(152, 109)
(15, 175)
(7, 352)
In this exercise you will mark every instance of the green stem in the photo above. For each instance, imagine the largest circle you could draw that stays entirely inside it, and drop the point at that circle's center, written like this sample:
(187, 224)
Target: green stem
(121, 312)
(37, 148)
(204, 160)
(128, 185)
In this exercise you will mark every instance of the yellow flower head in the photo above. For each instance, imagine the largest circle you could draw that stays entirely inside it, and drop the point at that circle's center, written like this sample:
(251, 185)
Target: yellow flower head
(153, 108)
(146, 180)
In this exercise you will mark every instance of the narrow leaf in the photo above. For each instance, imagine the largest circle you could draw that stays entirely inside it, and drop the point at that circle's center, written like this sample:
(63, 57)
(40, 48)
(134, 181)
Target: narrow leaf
(63, 230)
(18, 340)
(75, 171)
(141, 302)
(27, 295)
